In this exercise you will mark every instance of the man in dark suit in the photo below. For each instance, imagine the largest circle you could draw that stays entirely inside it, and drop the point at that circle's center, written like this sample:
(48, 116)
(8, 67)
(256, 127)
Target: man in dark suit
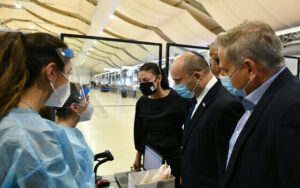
(264, 149)
(211, 121)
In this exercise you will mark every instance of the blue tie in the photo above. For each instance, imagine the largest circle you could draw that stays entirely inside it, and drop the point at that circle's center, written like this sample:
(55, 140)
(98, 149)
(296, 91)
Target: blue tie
(188, 119)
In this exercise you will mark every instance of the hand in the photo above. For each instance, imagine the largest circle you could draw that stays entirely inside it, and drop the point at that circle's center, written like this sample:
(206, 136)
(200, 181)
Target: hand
(137, 164)
(137, 161)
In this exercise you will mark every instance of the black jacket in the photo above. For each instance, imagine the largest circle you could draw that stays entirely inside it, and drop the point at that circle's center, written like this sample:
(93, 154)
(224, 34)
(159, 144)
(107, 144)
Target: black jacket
(267, 152)
(206, 144)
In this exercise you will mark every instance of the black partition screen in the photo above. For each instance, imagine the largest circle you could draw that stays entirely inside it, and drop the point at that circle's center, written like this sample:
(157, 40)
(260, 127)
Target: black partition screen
(111, 61)
(110, 67)
(174, 50)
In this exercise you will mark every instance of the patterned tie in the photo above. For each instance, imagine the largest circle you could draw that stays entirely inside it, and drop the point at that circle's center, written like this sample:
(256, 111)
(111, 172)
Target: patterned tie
(188, 119)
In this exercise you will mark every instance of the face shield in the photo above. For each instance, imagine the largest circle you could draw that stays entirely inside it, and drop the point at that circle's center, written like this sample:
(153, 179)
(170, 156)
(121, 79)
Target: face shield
(66, 55)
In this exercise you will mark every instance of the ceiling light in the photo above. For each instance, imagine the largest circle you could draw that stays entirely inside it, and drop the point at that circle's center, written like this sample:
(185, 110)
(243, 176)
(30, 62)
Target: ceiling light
(94, 41)
(111, 16)
(31, 26)
(18, 5)
(101, 32)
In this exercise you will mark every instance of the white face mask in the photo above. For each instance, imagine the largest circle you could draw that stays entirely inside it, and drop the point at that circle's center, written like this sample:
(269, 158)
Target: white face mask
(87, 114)
(60, 95)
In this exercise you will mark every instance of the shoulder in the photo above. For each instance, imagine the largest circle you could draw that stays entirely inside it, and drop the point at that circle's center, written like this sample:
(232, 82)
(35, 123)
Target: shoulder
(225, 101)
(178, 99)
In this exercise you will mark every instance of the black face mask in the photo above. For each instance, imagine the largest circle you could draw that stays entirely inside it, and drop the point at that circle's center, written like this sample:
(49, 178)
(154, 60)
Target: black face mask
(148, 88)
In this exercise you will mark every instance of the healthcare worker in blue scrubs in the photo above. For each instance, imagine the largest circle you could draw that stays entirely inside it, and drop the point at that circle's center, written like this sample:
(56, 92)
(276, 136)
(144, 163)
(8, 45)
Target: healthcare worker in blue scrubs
(78, 109)
(34, 152)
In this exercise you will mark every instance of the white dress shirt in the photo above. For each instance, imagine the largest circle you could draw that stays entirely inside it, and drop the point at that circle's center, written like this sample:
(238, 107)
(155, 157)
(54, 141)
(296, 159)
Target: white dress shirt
(208, 86)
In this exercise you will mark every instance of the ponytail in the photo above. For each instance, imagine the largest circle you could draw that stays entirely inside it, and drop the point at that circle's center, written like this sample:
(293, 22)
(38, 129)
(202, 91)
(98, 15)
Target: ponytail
(156, 70)
(164, 81)
(13, 71)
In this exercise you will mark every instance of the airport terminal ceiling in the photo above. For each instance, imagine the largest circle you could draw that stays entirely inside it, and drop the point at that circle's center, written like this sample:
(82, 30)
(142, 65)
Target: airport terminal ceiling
(190, 22)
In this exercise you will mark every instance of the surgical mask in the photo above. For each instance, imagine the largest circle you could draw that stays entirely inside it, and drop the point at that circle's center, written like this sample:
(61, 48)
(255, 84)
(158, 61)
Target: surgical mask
(87, 114)
(243, 89)
(60, 95)
(147, 88)
(183, 91)
(226, 82)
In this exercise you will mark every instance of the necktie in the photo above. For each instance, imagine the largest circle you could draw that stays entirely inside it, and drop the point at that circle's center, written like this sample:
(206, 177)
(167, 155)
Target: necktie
(189, 117)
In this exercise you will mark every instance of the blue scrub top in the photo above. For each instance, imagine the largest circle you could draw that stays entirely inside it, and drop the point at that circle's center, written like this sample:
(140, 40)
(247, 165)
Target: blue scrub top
(83, 154)
(35, 152)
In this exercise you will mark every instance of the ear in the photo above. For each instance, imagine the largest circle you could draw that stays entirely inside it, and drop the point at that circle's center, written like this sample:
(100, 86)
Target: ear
(74, 107)
(51, 72)
(251, 68)
(159, 78)
(198, 74)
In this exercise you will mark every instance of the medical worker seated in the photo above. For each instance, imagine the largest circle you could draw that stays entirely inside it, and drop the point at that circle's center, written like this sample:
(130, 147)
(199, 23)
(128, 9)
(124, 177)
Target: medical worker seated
(78, 109)
(34, 152)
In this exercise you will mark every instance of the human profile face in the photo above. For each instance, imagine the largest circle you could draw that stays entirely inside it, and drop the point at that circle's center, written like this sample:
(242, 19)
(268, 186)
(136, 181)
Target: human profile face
(178, 75)
(148, 76)
(236, 74)
(62, 78)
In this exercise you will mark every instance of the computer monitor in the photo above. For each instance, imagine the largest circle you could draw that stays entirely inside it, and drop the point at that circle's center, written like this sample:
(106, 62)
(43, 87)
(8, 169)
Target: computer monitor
(152, 159)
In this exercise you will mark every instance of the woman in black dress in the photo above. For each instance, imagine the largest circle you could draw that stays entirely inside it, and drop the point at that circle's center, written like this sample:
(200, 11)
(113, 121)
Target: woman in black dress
(160, 115)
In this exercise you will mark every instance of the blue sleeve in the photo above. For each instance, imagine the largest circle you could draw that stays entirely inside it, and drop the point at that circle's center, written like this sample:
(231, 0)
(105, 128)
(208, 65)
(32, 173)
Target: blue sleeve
(32, 156)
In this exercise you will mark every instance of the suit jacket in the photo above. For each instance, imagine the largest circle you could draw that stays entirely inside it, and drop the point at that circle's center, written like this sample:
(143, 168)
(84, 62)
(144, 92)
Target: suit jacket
(267, 152)
(206, 144)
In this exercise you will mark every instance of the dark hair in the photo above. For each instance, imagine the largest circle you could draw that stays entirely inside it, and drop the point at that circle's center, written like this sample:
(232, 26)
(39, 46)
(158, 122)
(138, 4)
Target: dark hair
(156, 70)
(22, 57)
(74, 97)
(46, 113)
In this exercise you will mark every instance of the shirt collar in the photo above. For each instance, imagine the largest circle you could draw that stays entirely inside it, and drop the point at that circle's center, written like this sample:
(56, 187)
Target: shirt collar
(251, 100)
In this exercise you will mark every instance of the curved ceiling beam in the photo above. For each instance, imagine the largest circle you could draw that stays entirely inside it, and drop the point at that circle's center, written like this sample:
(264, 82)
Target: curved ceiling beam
(25, 20)
(44, 19)
(53, 23)
(65, 13)
(198, 11)
(26, 29)
(116, 55)
(73, 44)
(94, 2)
(112, 65)
(114, 34)
(129, 54)
(142, 25)
(93, 53)
(109, 54)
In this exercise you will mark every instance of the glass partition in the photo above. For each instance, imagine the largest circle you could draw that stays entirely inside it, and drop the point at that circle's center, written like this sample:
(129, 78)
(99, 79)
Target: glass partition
(110, 67)
(292, 63)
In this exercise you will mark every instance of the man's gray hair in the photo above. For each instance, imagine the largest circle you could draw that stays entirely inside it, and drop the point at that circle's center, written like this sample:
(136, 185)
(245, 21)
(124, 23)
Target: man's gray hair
(253, 40)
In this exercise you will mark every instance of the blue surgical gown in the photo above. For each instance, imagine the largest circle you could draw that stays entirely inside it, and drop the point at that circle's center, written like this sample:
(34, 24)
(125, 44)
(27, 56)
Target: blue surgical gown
(35, 152)
(83, 154)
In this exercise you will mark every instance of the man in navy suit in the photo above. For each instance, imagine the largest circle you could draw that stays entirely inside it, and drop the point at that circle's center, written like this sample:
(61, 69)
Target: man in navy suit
(264, 150)
(210, 123)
